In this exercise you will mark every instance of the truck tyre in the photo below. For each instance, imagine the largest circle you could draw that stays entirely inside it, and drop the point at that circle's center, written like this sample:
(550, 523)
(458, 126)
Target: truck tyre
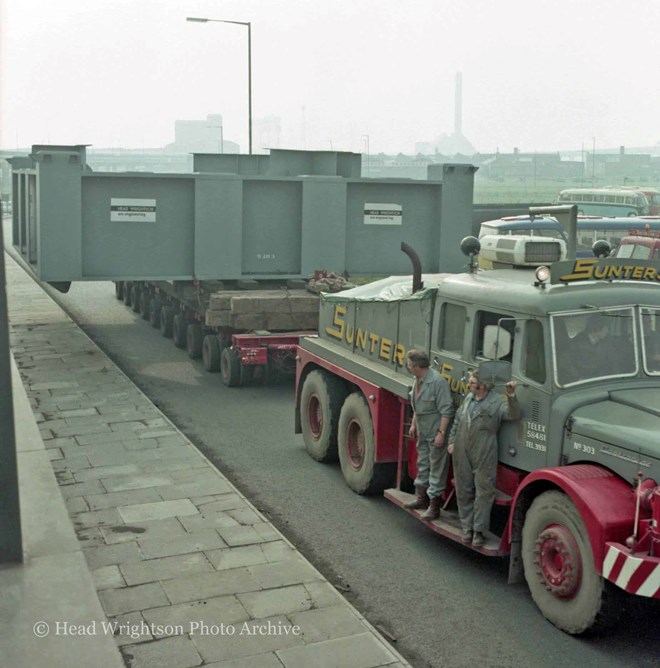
(119, 289)
(357, 451)
(559, 566)
(135, 297)
(230, 368)
(179, 330)
(211, 353)
(155, 307)
(166, 318)
(320, 404)
(194, 338)
(144, 304)
(127, 293)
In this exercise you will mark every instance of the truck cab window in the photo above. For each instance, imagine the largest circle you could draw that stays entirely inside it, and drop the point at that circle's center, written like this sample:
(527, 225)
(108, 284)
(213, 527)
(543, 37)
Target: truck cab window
(452, 328)
(534, 352)
(485, 318)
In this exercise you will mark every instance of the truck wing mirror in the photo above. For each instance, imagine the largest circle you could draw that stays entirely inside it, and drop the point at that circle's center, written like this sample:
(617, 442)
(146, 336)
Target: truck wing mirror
(495, 373)
(497, 342)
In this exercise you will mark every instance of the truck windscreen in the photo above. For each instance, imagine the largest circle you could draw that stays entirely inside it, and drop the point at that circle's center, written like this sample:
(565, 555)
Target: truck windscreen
(594, 344)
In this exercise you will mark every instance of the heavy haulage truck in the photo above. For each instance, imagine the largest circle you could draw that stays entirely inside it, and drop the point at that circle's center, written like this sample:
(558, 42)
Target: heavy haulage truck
(577, 507)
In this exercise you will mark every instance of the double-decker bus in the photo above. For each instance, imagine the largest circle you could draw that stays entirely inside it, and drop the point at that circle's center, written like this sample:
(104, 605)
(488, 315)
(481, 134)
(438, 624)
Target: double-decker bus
(606, 201)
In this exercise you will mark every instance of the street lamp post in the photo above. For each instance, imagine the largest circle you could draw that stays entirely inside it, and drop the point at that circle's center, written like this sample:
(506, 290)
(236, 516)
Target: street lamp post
(195, 19)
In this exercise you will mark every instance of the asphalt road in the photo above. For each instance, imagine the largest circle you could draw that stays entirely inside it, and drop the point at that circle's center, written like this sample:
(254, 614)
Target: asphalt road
(444, 605)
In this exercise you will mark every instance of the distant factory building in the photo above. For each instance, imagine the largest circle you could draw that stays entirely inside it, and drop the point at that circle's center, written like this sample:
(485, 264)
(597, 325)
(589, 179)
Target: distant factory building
(205, 136)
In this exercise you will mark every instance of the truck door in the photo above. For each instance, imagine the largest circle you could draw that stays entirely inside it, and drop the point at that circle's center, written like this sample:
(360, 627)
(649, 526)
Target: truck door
(524, 444)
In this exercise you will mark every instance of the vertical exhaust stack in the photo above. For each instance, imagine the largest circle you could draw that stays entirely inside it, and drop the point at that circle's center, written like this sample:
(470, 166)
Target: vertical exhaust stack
(417, 266)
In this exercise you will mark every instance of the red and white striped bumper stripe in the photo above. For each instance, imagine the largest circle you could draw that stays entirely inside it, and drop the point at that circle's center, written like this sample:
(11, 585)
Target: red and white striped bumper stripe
(639, 575)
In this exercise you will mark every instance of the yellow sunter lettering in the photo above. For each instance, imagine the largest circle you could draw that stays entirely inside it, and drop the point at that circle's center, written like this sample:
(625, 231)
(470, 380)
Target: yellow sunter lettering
(338, 321)
(456, 385)
(638, 272)
(600, 272)
(649, 274)
(356, 337)
(582, 270)
(615, 272)
(445, 371)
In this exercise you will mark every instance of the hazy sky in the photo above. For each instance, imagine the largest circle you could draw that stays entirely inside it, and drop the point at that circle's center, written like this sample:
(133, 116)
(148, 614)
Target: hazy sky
(537, 74)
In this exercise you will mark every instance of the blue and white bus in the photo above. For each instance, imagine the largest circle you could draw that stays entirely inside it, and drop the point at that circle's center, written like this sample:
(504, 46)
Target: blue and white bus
(606, 201)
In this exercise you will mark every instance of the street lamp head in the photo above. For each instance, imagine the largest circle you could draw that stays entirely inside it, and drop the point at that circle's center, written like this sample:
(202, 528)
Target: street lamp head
(196, 19)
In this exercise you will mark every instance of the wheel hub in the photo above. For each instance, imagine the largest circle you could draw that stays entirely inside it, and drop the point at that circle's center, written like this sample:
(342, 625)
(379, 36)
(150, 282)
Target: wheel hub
(558, 561)
(315, 417)
(355, 444)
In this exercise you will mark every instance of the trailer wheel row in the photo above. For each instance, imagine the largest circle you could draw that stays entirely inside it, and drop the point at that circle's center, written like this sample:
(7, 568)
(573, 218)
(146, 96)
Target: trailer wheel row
(337, 424)
(213, 348)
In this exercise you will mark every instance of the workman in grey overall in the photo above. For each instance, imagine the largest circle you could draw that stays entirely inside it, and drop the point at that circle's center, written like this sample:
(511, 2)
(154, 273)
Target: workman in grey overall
(473, 444)
(432, 412)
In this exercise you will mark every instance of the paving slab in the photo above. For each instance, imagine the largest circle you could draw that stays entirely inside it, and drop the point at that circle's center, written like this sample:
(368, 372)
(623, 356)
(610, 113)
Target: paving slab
(171, 565)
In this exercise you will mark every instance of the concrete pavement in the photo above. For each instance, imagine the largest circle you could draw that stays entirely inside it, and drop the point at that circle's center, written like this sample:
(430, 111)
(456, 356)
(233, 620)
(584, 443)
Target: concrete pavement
(171, 566)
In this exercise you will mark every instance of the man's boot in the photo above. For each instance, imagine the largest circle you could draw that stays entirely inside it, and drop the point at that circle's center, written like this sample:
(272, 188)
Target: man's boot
(421, 499)
(434, 509)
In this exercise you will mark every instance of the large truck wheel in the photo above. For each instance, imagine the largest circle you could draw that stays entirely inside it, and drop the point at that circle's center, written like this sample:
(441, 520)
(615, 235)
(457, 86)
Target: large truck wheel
(155, 307)
(135, 297)
(179, 330)
(320, 404)
(119, 289)
(144, 304)
(166, 318)
(127, 293)
(357, 449)
(211, 353)
(194, 336)
(230, 368)
(559, 566)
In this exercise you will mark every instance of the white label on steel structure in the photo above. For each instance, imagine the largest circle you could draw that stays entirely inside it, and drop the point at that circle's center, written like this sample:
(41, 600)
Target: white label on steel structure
(383, 214)
(139, 210)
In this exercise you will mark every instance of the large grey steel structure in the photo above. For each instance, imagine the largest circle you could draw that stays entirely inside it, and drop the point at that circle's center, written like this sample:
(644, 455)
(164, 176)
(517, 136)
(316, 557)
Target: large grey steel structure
(237, 216)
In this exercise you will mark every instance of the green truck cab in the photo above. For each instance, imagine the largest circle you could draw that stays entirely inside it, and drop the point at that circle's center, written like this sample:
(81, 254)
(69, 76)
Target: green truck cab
(578, 503)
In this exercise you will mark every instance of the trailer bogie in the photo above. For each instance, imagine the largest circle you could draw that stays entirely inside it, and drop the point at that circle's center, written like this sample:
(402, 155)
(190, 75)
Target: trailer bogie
(178, 311)
(194, 338)
(211, 352)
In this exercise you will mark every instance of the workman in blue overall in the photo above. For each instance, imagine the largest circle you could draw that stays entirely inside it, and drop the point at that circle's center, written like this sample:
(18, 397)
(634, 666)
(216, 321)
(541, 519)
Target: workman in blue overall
(473, 445)
(432, 412)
